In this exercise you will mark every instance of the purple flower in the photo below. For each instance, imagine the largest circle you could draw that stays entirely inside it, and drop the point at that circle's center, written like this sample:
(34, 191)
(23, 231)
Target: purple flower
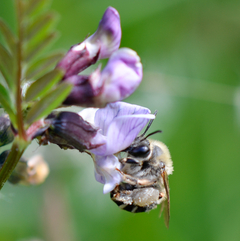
(120, 123)
(100, 45)
(106, 39)
(119, 79)
(69, 130)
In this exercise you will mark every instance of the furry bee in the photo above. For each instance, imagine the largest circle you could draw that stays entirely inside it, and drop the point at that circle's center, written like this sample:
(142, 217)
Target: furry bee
(145, 173)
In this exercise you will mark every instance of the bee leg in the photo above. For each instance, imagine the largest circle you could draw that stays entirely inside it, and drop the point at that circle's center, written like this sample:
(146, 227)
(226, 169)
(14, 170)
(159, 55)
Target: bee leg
(135, 181)
(130, 161)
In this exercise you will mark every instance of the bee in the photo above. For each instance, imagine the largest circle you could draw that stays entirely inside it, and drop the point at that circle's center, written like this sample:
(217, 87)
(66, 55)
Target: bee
(145, 171)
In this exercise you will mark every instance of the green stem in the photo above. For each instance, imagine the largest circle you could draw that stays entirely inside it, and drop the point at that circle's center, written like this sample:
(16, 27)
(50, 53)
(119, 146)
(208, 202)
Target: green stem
(20, 143)
(18, 147)
(20, 124)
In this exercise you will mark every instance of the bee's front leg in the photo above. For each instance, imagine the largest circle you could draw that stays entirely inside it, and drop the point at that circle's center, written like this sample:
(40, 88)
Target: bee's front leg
(135, 181)
(129, 161)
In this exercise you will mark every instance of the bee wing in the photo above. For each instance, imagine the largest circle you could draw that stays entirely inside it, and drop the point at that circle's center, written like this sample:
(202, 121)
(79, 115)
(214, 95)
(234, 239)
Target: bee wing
(166, 204)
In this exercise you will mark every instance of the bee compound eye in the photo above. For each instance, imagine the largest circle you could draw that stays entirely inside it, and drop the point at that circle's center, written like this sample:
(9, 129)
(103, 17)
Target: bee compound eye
(139, 151)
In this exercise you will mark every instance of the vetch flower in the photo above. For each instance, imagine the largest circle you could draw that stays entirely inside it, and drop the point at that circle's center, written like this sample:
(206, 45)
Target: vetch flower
(100, 45)
(120, 123)
(119, 79)
(69, 131)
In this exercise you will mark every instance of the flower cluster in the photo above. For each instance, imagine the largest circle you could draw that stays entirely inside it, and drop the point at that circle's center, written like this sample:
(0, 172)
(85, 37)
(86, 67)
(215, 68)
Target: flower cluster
(112, 128)
(120, 77)
(102, 132)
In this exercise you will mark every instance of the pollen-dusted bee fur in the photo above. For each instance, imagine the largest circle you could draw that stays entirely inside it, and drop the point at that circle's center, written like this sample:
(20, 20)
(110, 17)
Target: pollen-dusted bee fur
(145, 173)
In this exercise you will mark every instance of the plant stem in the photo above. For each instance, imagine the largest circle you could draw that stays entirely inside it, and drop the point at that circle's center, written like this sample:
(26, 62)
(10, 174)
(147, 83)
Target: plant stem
(20, 124)
(20, 142)
(18, 147)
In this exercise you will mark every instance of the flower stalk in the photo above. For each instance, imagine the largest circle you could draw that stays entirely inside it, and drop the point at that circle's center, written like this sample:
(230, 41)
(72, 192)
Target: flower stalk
(18, 147)
(20, 142)
(20, 125)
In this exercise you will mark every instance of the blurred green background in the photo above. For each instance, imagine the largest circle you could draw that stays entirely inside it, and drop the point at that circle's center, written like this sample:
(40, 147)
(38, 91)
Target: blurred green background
(190, 51)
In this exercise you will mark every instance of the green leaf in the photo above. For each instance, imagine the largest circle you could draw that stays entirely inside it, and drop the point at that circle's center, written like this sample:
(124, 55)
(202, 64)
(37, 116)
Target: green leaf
(6, 103)
(7, 66)
(48, 103)
(33, 49)
(40, 25)
(34, 7)
(9, 37)
(39, 67)
(43, 85)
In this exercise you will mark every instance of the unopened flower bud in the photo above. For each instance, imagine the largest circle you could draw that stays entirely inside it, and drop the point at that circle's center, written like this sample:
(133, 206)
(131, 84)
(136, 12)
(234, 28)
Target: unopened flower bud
(69, 131)
(76, 60)
(100, 45)
(6, 134)
(27, 172)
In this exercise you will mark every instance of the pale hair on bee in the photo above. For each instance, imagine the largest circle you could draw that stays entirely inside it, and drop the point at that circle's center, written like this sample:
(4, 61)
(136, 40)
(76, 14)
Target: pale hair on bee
(145, 171)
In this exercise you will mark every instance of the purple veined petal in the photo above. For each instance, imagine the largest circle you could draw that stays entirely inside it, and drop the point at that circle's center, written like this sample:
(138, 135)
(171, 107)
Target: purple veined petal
(123, 131)
(98, 177)
(108, 35)
(121, 123)
(106, 173)
(129, 57)
(104, 116)
(121, 76)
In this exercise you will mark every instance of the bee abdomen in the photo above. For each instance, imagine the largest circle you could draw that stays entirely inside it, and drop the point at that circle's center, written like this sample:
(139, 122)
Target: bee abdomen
(132, 208)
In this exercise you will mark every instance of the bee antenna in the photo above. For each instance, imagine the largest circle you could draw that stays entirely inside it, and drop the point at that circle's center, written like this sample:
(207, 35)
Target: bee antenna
(153, 133)
(149, 124)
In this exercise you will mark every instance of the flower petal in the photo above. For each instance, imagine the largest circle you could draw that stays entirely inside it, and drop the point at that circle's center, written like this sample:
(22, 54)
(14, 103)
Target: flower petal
(121, 123)
(82, 93)
(88, 114)
(121, 76)
(101, 44)
(70, 130)
(108, 35)
(78, 58)
(106, 173)
(123, 131)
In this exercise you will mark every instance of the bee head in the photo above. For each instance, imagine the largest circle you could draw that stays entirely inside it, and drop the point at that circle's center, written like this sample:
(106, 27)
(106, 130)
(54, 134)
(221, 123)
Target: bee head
(140, 148)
